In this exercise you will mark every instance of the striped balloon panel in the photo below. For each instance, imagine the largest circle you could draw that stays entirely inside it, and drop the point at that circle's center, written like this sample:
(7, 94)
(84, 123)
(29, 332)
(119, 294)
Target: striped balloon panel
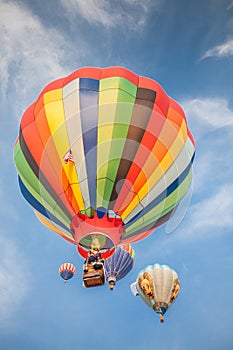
(67, 266)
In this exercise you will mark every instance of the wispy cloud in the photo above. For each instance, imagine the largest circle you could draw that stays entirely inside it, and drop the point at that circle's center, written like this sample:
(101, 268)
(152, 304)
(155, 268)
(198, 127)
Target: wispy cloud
(223, 50)
(214, 212)
(31, 53)
(127, 13)
(211, 216)
(205, 115)
(230, 6)
(14, 273)
(13, 287)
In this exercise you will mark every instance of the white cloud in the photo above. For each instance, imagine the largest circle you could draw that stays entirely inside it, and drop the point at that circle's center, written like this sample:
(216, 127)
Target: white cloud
(214, 213)
(127, 13)
(223, 50)
(13, 276)
(92, 11)
(230, 6)
(30, 52)
(205, 115)
(210, 217)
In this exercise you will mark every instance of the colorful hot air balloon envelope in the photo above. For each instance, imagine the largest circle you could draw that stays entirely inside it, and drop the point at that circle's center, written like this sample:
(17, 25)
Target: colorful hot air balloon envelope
(158, 286)
(104, 153)
(67, 271)
(119, 264)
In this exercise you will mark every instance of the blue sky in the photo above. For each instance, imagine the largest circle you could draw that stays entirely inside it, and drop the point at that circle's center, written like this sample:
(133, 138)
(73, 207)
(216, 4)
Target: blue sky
(187, 46)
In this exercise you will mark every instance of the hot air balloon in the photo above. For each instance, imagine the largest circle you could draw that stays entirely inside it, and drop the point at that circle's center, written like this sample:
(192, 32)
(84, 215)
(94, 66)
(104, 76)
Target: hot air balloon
(104, 154)
(67, 271)
(158, 286)
(119, 264)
